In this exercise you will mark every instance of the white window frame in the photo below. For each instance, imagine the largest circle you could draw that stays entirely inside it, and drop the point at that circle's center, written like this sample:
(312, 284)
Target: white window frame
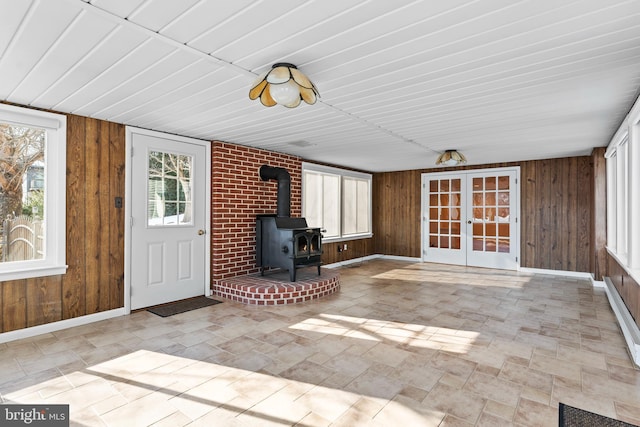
(623, 193)
(55, 126)
(342, 173)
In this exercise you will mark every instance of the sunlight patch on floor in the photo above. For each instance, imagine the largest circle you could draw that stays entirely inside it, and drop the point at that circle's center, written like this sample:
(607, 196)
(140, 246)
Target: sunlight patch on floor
(194, 387)
(414, 335)
(474, 277)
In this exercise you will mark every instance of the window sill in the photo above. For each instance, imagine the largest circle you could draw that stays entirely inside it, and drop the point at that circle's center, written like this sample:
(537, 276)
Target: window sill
(33, 272)
(346, 238)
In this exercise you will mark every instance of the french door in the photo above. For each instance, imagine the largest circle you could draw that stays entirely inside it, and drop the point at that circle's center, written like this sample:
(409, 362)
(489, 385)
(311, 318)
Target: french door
(471, 218)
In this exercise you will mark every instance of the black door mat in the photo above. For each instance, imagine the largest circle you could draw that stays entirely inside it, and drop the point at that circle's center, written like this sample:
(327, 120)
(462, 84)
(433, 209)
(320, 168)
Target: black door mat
(570, 416)
(169, 309)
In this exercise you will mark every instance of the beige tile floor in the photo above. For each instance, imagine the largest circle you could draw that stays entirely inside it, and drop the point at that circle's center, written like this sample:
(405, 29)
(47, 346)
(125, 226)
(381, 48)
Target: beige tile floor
(402, 344)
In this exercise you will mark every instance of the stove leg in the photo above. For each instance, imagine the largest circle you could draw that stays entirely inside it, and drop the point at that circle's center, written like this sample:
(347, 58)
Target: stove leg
(292, 274)
(262, 271)
(318, 270)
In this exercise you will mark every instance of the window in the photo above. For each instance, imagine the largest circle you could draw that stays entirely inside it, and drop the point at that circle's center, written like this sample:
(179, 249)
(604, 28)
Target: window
(623, 193)
(337, 200)
(32, 193)
(169, 188)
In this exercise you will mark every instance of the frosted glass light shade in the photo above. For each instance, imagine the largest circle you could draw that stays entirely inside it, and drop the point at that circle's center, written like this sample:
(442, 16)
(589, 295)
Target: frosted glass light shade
(451, 158)
(284, 84)
(285, 93)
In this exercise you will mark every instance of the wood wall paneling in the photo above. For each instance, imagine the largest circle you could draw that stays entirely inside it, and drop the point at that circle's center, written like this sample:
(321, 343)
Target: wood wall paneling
(527, 204)
(14, 305)
(44, 304)
(93, 218)
(73, 282)
(599, 211)
(396, 213)
(571, 210)
(117, 157)
(544, 246)
(355, 249)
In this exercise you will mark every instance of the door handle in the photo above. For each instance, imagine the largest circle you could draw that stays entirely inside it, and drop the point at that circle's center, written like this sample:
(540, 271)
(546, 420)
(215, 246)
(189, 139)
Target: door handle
(201, 232)
(469, 222)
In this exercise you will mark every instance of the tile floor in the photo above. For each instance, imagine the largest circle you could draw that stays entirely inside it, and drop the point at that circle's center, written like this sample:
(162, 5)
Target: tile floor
(402, 344)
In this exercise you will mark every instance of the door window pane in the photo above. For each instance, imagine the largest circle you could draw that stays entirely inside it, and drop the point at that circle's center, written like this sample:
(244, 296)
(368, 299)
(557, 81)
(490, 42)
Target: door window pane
(169, 189)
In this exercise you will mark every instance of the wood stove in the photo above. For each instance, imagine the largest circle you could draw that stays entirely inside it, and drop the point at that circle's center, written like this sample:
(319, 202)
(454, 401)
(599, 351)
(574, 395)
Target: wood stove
(287, 243)
(282, 241)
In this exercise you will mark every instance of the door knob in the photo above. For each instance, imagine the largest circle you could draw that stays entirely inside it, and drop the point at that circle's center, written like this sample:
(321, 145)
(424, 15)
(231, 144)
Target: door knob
(201, 232)
(469, 222)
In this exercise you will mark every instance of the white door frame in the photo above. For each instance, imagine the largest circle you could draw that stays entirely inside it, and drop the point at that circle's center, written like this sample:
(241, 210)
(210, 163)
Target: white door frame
(129, 131)
(424, 231)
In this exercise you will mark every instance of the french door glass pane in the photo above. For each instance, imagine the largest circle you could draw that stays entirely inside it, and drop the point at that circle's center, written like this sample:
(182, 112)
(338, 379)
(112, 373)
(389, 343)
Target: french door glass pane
(444, 213)
(491, 214)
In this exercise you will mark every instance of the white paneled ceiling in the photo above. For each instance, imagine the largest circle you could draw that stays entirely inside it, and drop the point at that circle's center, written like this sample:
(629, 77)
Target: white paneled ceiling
(400, 81)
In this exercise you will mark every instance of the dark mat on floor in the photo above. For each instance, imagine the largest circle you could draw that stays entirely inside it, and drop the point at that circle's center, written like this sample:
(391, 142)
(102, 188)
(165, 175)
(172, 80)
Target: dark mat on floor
(182, 306)
(570, 417)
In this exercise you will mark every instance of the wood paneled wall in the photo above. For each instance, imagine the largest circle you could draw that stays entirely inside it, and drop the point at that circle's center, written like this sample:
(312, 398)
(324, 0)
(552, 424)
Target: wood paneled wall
(599, 212)
(94, 281)
(396, 213)
(628, 289)
(355, 249)
(556, 203)
(556, 214)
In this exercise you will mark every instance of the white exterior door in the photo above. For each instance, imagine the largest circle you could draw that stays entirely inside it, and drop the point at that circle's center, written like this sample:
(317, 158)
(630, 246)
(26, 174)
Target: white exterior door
(169, 217)
(471, 218)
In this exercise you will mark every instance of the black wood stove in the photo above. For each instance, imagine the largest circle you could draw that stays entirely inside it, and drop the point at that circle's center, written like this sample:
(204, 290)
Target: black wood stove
(282, 241)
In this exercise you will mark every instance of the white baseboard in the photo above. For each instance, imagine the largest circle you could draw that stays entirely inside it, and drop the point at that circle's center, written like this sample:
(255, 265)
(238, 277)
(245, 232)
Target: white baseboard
(565, 273)
(402, 258)
(351, 261)
(370, 257)
(627, 324)
(62, 324)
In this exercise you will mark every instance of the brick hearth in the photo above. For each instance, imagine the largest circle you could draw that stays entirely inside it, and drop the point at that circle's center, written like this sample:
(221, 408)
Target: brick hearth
(274, 288)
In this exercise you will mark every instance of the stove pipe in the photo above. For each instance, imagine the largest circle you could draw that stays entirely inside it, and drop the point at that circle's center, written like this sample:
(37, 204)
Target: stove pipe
(284, 187)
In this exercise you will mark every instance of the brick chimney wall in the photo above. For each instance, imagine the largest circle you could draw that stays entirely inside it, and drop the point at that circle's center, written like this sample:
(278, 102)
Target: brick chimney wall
(237, 196)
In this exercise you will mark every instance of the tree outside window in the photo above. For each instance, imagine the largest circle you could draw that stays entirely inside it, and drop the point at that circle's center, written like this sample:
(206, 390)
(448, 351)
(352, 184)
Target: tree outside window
(22, 155)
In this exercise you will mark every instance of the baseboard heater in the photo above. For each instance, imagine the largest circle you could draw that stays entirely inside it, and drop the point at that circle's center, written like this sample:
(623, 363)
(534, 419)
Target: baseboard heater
(625, 320)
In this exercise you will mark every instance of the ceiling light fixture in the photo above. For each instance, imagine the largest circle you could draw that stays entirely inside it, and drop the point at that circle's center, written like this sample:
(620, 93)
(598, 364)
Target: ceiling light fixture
(284, 84)
(451, 158)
